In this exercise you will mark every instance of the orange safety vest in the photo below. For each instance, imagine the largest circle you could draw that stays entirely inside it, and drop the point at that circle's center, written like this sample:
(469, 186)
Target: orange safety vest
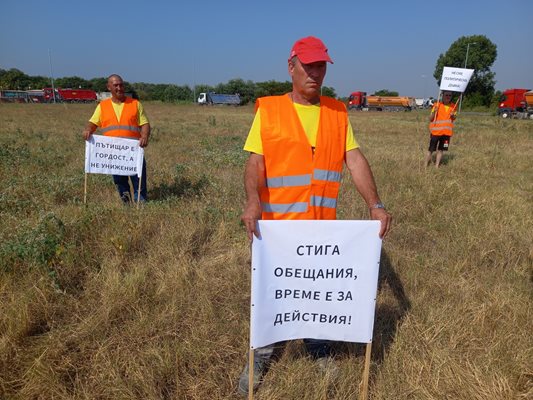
(128, 126)
(442, 125)
(300, 184)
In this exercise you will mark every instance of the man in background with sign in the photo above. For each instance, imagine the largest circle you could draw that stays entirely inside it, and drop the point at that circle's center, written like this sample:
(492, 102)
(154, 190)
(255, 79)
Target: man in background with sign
(122, 116)
(442, 117)
(298, 145)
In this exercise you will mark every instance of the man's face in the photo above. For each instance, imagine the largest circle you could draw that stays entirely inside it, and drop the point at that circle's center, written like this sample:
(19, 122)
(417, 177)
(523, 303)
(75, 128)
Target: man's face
(116, 86)
(447, 97)
(307, 78)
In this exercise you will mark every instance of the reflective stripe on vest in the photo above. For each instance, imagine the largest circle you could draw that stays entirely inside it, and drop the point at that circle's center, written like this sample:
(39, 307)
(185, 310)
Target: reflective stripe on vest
(319, 201)
(447, 128)
(300, 207)
(121, 127)
(285, 208)
(302, 180)
(289, 181)
(325, 175)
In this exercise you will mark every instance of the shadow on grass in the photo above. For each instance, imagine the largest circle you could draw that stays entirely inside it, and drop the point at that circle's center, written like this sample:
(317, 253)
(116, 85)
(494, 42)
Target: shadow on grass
(180, 187)
(447, 158)
(388, 316)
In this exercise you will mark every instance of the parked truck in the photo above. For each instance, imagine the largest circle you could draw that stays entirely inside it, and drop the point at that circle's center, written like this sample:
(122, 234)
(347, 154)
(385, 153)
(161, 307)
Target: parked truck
(13, 96)
(516, 103)
(424, 102)
(211, 98)
(35, 96)
(360, 101)
(69, 95)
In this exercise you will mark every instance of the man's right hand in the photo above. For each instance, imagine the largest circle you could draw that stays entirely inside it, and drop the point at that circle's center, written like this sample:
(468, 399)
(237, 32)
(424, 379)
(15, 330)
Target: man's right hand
(87, 133)
(250, 216)
(89, 130)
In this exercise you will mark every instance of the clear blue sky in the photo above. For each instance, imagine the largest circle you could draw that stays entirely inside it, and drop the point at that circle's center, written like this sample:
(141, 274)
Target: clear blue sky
(375, 44)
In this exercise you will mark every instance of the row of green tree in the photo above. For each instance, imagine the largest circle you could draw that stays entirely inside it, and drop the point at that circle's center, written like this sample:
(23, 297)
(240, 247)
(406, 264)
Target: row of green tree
(476, 52)
(248, 90)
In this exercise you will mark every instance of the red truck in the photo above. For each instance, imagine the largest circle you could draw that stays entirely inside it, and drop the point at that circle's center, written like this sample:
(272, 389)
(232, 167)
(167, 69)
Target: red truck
(516, 103)
(69, 95)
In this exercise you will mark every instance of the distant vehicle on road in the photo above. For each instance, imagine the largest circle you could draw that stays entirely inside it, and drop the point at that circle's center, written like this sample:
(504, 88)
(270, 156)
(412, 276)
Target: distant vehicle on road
(516, 103)
(69, 95)
(424, 102)
(360, 101)
(211, 98)
(13, 96)
(35, 96)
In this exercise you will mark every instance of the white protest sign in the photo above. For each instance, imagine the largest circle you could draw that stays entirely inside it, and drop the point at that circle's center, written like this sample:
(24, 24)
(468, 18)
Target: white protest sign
(455, 79)
(314, 279)
(113, 156)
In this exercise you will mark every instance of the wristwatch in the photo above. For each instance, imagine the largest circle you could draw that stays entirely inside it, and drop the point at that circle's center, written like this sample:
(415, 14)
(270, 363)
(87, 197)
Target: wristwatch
(378, 205)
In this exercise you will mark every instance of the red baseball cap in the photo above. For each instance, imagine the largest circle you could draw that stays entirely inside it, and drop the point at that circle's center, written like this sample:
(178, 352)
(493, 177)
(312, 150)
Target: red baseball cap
(310, 49)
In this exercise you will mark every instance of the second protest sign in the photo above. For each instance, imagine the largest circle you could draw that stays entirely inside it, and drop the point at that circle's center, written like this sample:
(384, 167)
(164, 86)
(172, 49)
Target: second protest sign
(113, 156)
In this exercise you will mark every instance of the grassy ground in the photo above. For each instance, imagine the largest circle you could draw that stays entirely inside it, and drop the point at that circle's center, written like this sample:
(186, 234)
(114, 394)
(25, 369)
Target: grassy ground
(107, 302)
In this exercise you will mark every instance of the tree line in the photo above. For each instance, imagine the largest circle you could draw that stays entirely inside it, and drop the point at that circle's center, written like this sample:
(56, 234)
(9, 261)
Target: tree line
(165, 92)
(476, 52)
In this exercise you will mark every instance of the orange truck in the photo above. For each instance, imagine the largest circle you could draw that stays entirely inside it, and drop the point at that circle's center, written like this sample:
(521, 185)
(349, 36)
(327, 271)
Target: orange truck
(516, 103)
(360, 101)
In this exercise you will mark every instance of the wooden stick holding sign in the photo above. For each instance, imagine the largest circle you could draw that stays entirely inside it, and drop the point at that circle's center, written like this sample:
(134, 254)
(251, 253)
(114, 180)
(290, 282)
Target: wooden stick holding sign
(139, 192)
(251, 375)
(366, 373)
(439, 99)
(85, 190)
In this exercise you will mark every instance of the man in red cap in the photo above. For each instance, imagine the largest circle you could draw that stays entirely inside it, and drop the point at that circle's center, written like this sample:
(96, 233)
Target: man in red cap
(298, 145)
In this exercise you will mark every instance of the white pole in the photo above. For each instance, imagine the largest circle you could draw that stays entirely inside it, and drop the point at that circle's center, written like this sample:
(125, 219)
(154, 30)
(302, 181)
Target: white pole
(466, 61)
(52, 75)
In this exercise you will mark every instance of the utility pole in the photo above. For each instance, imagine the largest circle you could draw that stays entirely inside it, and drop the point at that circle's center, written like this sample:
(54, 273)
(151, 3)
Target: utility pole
(423, 76)
(51, 75)
(466, 62)
(193, 82)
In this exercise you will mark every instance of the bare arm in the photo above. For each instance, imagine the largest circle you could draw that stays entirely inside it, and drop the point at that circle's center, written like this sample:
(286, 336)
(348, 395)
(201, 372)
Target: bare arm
(145, 135)
(254, 180)
(366, 186)
(89, 130)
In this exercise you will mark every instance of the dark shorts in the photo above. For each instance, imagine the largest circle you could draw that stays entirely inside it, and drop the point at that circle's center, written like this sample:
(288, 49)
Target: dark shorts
(439, 143)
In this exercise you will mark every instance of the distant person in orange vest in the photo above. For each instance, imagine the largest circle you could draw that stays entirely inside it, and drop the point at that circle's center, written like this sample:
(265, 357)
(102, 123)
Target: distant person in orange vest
(298, 144)
(441, 128)
(123, 117)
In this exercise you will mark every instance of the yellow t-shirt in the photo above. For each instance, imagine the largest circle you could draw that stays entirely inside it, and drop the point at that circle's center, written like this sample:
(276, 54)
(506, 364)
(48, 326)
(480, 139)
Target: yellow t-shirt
(95, 119)
(309, 118)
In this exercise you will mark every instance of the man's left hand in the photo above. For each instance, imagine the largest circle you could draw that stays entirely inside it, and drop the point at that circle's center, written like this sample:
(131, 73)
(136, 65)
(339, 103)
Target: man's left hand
(143, 141)
(384, 217)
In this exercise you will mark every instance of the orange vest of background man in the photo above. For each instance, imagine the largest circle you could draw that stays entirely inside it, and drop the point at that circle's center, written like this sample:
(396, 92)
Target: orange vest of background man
(300, 183)
(128, 126)
(442, 125)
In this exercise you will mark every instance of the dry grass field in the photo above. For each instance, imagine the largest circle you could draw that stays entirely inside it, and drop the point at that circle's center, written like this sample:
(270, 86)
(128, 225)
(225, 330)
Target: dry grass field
(108, 302)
